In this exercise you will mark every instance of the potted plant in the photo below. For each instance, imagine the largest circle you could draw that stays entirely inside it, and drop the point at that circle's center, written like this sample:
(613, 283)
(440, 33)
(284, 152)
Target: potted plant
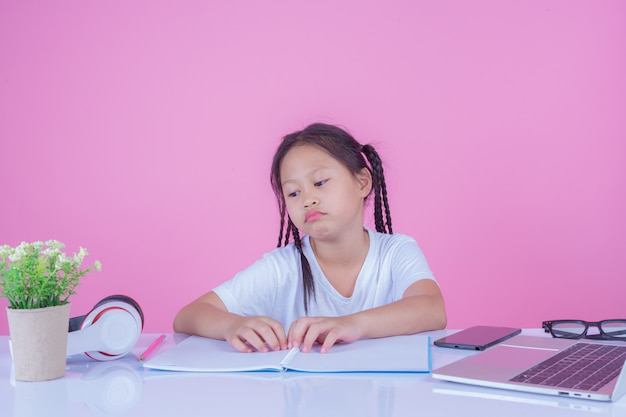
(37, 279)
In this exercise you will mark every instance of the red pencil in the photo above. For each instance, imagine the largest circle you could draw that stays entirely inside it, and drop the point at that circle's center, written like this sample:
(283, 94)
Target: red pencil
(152, 347)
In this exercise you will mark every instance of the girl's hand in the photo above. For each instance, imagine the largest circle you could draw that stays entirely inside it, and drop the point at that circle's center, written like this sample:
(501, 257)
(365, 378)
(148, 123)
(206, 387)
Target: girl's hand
(258, 332)
(326, 331)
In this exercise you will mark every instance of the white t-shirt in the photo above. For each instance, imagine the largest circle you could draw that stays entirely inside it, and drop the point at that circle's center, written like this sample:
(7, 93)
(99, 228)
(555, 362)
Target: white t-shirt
(272, 286)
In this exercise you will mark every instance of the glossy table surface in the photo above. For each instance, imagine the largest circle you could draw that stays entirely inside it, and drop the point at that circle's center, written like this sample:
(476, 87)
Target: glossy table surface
(124, 388)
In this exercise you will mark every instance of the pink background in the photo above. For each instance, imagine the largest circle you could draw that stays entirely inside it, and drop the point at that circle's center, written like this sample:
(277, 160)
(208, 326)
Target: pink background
(144, 131)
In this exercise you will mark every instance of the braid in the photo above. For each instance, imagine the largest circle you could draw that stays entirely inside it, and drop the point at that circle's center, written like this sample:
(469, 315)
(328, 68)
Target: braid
(288, 233)
(383, 190)
(307, 275)
(383, 225)
(280, 233)
(282, 208)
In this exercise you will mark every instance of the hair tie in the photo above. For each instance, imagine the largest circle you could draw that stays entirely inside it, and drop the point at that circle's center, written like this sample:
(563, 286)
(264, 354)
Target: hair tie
(360, 148)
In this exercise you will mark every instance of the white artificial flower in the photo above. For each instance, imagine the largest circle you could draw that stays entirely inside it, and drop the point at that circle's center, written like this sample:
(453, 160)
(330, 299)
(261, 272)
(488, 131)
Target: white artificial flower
(78, 258)
(55, 244)
(62, 260)
(17, 254)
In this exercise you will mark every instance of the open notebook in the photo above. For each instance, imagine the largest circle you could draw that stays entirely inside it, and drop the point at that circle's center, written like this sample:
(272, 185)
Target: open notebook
(391, 354)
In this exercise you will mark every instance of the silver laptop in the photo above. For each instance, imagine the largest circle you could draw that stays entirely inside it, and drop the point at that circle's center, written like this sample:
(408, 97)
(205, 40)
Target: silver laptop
(564, 367)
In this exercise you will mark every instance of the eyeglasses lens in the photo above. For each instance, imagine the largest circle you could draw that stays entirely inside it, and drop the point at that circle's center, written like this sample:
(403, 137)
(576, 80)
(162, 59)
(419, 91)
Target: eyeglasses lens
(568, 329)
(614, 328)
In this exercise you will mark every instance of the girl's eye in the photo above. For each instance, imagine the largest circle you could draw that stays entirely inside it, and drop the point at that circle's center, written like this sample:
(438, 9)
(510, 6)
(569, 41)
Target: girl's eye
(320, 183)
(293, 194)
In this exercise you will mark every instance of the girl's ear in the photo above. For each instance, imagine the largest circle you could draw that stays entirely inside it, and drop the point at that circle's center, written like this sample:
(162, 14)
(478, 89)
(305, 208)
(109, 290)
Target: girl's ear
(364, 178)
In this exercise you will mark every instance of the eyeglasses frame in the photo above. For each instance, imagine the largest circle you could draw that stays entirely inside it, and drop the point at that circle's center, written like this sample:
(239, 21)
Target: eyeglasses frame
(547, 327)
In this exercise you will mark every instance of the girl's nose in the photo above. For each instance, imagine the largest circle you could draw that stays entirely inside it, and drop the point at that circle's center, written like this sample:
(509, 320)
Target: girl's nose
(310, 202)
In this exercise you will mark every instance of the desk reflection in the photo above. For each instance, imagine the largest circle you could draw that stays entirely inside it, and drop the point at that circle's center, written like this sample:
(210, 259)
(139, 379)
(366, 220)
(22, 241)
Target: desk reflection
(288, 394)
(123, 387)
(339, 394)
(109, 388)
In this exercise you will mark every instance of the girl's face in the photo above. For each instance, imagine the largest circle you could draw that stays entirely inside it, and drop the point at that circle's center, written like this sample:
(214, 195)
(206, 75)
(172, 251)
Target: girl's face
(323, 198)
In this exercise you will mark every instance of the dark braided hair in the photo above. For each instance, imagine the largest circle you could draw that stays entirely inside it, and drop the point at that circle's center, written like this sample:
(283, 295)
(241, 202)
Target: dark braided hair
(345, 149)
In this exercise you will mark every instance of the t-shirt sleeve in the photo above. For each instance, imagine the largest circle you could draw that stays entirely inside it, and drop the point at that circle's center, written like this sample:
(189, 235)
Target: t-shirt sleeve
(252, 291)
(408, 265)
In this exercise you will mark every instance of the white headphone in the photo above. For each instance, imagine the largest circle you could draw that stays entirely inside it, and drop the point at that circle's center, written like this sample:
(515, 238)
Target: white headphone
(109, 331)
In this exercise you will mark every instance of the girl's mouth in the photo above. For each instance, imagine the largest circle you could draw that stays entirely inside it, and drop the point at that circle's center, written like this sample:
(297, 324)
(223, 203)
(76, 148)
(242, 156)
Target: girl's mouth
(312, 216)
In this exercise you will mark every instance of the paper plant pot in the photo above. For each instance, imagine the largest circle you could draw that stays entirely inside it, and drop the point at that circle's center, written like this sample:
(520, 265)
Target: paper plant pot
(39, 342)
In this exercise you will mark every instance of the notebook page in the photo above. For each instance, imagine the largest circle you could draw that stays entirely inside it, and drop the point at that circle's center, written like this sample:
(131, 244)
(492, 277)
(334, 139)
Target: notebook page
(390, 354)
(200, 354)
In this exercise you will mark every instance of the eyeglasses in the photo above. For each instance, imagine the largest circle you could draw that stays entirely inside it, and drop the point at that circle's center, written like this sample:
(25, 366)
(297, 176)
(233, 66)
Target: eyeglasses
(577, 329)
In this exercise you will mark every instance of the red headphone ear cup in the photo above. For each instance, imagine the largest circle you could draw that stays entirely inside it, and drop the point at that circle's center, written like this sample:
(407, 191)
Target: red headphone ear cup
(108, 331)
(117, 331)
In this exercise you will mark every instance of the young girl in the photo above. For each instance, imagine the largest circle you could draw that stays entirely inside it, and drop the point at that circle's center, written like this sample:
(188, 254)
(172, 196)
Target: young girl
(337, 281)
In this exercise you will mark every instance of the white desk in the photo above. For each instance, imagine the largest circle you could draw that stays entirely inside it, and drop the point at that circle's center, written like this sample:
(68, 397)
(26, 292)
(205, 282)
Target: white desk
(123, 388)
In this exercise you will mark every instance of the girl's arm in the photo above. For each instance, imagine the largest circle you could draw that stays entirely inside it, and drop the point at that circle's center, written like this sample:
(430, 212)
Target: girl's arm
(207, 316)
(420, 309)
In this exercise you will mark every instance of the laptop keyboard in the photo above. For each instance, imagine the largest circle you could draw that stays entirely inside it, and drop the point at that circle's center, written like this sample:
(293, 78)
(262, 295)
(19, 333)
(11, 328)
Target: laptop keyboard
(583, 366)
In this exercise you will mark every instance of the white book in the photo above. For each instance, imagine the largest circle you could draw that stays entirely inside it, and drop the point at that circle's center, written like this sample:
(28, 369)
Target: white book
(390, 354)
